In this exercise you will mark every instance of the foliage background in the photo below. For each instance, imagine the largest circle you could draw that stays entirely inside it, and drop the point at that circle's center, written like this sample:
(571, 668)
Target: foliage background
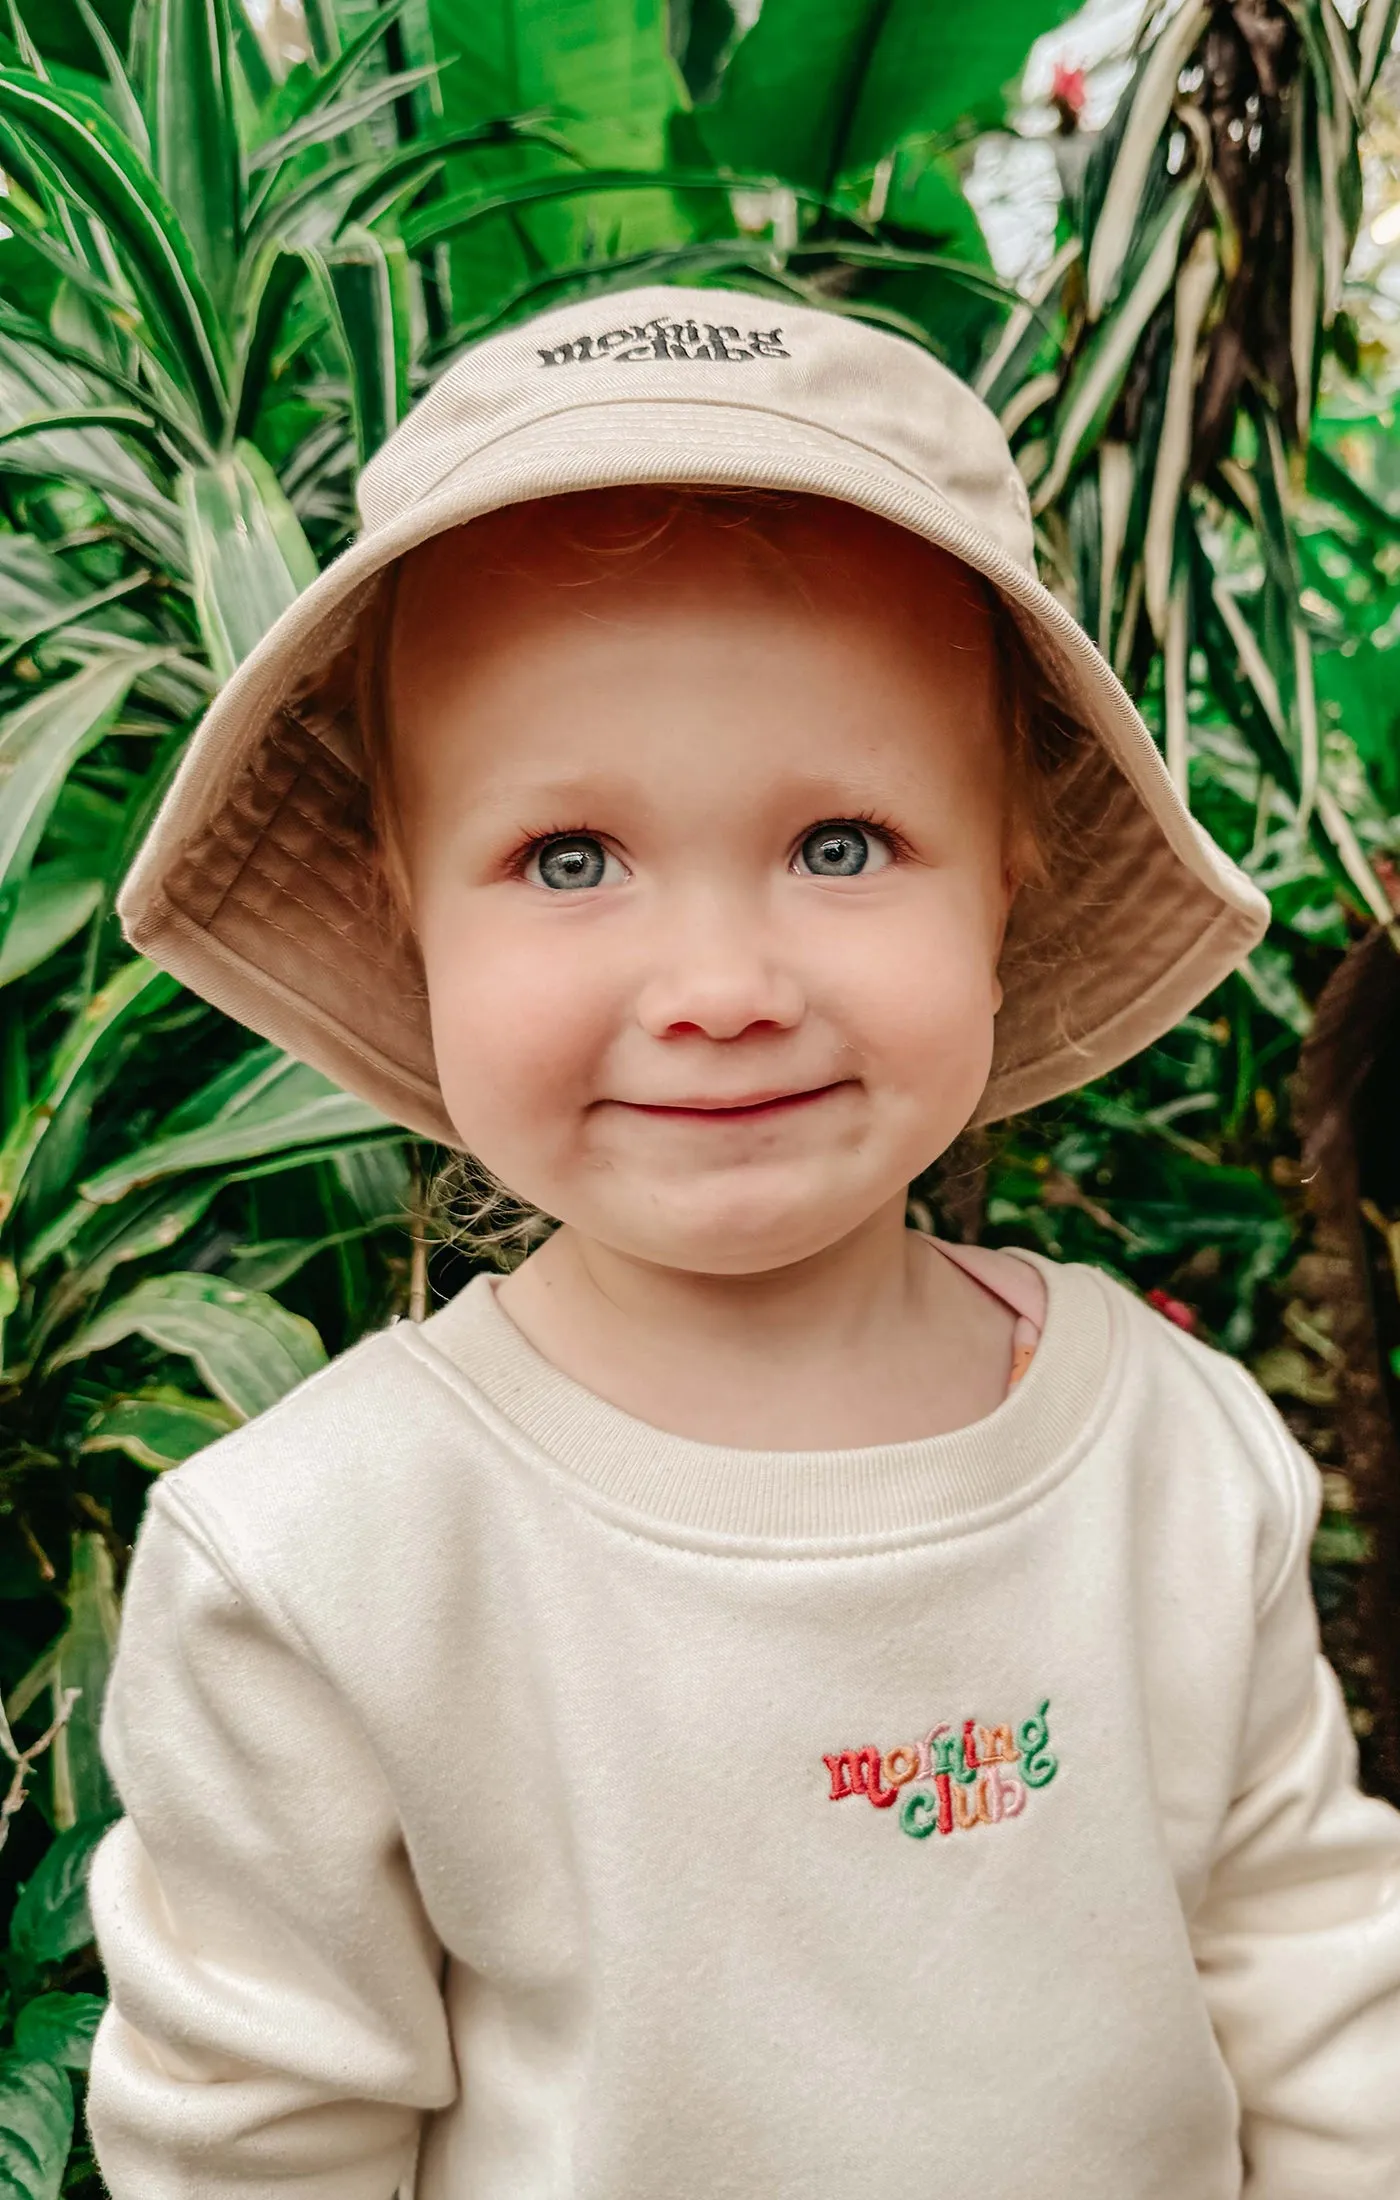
(235, 252)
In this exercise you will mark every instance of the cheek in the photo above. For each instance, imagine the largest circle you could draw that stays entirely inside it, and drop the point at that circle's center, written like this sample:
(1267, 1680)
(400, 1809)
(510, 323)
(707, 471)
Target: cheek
(920, 993)
(521, 1019)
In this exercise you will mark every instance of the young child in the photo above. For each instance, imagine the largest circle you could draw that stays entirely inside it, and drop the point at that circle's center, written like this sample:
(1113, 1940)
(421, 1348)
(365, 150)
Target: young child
(756, 1705)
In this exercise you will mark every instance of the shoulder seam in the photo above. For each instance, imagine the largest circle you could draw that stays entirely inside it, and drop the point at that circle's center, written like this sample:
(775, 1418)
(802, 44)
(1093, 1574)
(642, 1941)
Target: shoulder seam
(188, 1523)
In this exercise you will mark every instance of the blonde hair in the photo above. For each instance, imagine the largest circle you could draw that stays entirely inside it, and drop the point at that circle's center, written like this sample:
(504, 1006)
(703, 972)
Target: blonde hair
(1045, 750)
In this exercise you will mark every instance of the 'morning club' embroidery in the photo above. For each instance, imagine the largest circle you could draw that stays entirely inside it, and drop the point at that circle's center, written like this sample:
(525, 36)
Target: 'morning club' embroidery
(663, 339)
(971, 1783)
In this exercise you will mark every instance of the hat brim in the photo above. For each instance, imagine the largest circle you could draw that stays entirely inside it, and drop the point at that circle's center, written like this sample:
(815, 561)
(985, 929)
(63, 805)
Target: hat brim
(255, 884)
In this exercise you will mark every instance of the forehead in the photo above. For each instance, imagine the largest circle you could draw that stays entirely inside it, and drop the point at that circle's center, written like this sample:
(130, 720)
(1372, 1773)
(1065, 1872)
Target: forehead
(606, 549)
(647, 615)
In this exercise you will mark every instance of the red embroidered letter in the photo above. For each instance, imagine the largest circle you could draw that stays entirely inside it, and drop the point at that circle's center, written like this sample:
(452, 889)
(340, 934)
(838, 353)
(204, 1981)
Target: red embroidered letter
(857, 1772)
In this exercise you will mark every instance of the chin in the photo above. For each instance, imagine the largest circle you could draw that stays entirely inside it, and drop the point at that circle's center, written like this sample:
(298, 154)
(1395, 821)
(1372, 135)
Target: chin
(742, 1234)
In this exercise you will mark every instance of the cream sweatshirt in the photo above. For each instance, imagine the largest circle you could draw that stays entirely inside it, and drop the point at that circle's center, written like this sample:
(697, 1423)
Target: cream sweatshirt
(606, 1816)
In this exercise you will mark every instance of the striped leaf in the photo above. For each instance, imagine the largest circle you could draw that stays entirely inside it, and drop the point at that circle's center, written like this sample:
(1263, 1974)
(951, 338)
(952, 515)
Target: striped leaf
(1149, 106)
(195, 138)
(103, 171)
(368, 284)
(248, 555)
(1096, 382)
(39, 744)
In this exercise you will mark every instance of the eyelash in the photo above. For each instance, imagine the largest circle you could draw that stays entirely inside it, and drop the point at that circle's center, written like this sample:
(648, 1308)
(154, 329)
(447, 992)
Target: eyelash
(895, 841)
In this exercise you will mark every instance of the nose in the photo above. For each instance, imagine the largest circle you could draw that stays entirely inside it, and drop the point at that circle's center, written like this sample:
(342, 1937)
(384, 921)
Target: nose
(714, 972)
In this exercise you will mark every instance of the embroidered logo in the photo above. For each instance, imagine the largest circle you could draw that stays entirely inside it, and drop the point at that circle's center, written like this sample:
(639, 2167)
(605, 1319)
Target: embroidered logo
(971, 1771)
(663, 339)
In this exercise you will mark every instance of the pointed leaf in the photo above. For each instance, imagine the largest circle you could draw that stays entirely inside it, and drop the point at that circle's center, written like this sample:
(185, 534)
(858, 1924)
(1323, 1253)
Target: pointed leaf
(1098, 377)
(367, 279)
(58, 2029)
(36, 2127)
(125, 104)
(1151, 104)
(299, 1107)
(333, 122)
(322, 89)
(51, 1918)
(39, 744)
(81, 1787)
(54, 902)
(103, 171)
(195, 137)
(159, 1428)
(1195, 288)
(248, 1349)
(136, 989)
(247, 552)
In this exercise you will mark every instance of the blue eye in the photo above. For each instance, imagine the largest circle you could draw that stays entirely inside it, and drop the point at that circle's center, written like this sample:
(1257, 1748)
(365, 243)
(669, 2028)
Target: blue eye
(568, 863)
(842, 850)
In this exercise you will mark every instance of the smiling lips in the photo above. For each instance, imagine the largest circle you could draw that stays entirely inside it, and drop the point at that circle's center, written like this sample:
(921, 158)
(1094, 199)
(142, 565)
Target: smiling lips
(729, 1111)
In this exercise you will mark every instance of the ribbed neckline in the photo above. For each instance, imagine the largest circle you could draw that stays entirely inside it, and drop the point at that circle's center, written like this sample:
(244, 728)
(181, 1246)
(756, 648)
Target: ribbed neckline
(671, 1482)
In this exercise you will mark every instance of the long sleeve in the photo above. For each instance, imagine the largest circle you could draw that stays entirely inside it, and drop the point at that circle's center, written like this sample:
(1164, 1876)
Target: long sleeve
(1298, 1937)
(277, 2023)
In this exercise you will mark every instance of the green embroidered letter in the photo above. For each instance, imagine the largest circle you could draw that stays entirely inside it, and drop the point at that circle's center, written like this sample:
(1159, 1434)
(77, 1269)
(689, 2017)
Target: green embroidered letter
(1038, 1763)
(918, 1813)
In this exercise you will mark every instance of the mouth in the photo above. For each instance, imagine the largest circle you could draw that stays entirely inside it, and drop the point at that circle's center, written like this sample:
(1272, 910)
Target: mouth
(753, 1108)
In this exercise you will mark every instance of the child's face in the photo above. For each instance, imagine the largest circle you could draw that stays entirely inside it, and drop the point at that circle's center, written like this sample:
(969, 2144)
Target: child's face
(707, 863)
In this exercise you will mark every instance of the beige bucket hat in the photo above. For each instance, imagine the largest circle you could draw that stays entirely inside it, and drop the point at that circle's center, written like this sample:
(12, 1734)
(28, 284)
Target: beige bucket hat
(255, 883)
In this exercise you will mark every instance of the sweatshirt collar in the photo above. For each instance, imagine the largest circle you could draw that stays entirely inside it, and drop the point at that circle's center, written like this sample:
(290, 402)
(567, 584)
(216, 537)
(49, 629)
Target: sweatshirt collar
(670, 1483)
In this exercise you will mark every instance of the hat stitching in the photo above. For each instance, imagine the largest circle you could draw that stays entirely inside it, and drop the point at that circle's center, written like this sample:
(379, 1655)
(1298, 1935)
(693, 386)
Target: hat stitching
(754, 442)
(396, 1073)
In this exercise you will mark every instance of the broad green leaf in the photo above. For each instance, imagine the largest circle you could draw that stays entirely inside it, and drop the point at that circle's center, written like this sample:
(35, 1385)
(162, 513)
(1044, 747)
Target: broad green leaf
(195, 139)
(266, 1107)
(447, 218)
(53, 903)
(602, 70)
(135, 990)
(820, 89)
(248, 1349)
(51, 1919)
(160, 1427)
(104, 172)
(247, 552)
(39, 744)
(368, 279)
(36, 2127)
(58, 2028)
(81, 1787)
